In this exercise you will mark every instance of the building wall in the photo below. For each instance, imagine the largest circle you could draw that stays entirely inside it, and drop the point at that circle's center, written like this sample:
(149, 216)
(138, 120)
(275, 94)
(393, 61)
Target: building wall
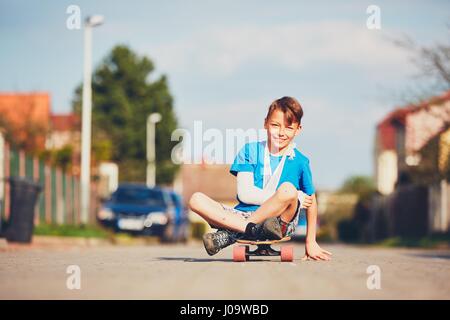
(387, 171)
(212, 180)
(59, 139)
(424, 124)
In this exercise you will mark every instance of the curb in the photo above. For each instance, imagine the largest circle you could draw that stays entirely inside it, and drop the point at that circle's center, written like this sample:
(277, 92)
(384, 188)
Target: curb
(68, 241)
(54, 241)
(58, 241)
(3, 243)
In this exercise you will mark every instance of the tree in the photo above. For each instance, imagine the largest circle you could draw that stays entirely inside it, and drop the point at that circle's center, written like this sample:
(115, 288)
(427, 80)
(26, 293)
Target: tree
(363, 186)
(28, 135)
(123, 97)
(433, 63)
(355, 228)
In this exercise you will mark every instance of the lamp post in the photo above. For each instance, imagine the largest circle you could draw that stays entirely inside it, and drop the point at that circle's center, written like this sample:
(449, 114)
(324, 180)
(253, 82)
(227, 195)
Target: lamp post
(85, 186)
(152, 119)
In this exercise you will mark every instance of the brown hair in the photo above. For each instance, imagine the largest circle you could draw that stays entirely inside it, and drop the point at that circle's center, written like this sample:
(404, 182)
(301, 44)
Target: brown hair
(290, 107)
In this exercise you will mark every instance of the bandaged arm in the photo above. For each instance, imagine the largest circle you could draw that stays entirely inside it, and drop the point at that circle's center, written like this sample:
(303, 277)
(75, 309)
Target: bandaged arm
(250, 194)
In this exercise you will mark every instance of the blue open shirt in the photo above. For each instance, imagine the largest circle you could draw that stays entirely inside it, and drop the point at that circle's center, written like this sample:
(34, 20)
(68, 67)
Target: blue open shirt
(251, 159)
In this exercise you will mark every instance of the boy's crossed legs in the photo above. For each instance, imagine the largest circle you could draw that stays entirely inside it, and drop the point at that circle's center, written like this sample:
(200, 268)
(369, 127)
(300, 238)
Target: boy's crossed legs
(282, 204)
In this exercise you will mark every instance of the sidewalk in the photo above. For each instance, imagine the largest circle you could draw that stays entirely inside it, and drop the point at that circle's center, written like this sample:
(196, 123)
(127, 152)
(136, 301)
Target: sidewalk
(56, 242)
(44, 242)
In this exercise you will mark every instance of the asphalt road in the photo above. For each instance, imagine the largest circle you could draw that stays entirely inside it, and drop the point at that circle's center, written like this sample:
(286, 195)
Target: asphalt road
(187, 272)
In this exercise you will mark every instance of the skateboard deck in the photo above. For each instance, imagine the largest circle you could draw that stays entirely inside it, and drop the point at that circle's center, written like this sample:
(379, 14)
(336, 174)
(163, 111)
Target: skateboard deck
(242, 253)
(259, 242)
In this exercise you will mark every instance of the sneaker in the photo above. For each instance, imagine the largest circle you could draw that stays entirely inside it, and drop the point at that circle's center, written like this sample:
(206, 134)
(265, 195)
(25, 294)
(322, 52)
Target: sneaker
(215, 241)
(271, 229)
(254, 232)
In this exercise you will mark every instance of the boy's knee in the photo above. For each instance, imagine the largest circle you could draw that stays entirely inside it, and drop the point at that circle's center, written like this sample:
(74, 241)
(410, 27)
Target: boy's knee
(195, 200)
(287, 192)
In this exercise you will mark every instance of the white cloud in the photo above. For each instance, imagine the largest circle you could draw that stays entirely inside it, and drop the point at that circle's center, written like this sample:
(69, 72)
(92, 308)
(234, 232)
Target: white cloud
(243, 114)
(221, 51)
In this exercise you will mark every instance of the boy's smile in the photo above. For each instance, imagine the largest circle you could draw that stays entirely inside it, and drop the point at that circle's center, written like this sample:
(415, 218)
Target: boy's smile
(279, 132)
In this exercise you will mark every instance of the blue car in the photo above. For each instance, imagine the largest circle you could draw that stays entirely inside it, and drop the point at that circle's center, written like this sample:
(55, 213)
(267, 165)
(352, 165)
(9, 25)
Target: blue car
(180, 227)
(137, 209)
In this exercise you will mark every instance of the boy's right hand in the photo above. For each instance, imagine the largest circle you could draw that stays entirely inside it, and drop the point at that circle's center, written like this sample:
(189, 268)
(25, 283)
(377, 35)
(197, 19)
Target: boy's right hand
(305, 200)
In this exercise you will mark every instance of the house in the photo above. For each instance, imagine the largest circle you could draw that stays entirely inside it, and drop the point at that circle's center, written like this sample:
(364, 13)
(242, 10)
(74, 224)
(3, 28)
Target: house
(65, 132)
(402, 136)
(412, 144)
(29, 125)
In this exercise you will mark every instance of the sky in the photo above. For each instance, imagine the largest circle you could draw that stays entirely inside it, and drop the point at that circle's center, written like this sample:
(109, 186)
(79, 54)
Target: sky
(226, 61)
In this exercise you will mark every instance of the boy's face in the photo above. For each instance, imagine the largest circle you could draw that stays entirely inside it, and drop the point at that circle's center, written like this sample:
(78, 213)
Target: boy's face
(279, 132)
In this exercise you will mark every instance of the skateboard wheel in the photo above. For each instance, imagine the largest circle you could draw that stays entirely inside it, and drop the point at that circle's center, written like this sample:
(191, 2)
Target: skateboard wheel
(287, 253)
(239, 254)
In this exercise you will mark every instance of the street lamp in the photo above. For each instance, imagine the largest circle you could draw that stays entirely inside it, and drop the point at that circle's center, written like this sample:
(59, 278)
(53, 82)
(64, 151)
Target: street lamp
(152, 119)
(85, 186)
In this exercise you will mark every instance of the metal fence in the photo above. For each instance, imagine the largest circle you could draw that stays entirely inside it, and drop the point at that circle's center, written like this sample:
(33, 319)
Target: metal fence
(58, 202)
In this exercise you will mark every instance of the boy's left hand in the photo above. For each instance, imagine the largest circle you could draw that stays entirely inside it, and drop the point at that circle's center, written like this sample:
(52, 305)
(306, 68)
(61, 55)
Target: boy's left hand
(305, 200)
(315, 252)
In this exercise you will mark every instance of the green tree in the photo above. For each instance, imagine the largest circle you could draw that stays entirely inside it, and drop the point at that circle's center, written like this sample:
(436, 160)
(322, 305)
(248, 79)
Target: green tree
(355, 227)
(363, 186)
(123, 96)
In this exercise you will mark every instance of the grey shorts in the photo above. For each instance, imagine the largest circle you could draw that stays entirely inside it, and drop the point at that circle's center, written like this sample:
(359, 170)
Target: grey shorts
(287, 228)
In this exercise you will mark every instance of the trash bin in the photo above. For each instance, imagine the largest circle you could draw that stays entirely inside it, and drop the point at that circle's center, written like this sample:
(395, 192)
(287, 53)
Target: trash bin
(24, 194)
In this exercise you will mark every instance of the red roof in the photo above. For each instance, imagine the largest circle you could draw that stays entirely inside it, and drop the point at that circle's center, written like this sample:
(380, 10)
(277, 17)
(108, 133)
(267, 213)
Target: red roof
(399, 115)
(386, 128)
(64, 122)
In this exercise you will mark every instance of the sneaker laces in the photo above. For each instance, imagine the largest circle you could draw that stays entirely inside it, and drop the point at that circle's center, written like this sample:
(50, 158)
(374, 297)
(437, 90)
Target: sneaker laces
(222, 238)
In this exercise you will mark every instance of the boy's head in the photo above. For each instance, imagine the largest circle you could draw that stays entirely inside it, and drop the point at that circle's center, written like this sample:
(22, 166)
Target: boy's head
(283, 121)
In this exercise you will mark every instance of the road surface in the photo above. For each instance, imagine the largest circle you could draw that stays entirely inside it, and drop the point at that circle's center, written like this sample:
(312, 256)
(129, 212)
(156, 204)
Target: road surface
(187, 272)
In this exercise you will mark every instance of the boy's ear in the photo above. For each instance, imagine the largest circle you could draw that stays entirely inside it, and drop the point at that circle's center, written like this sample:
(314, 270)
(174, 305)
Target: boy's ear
(298, 129)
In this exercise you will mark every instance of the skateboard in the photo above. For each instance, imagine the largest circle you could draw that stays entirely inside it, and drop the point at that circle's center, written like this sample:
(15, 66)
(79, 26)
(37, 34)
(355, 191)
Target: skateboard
(242, 253)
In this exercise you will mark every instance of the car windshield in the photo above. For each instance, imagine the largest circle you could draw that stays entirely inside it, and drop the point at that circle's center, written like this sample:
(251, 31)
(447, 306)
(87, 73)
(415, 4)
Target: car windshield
(139, 196)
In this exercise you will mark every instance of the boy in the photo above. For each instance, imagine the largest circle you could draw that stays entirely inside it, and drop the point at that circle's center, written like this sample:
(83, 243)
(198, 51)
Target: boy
(271, 176)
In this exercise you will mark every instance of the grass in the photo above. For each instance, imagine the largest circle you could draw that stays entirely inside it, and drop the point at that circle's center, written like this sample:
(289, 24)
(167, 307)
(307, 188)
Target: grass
(70, 231)
(429, 242)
